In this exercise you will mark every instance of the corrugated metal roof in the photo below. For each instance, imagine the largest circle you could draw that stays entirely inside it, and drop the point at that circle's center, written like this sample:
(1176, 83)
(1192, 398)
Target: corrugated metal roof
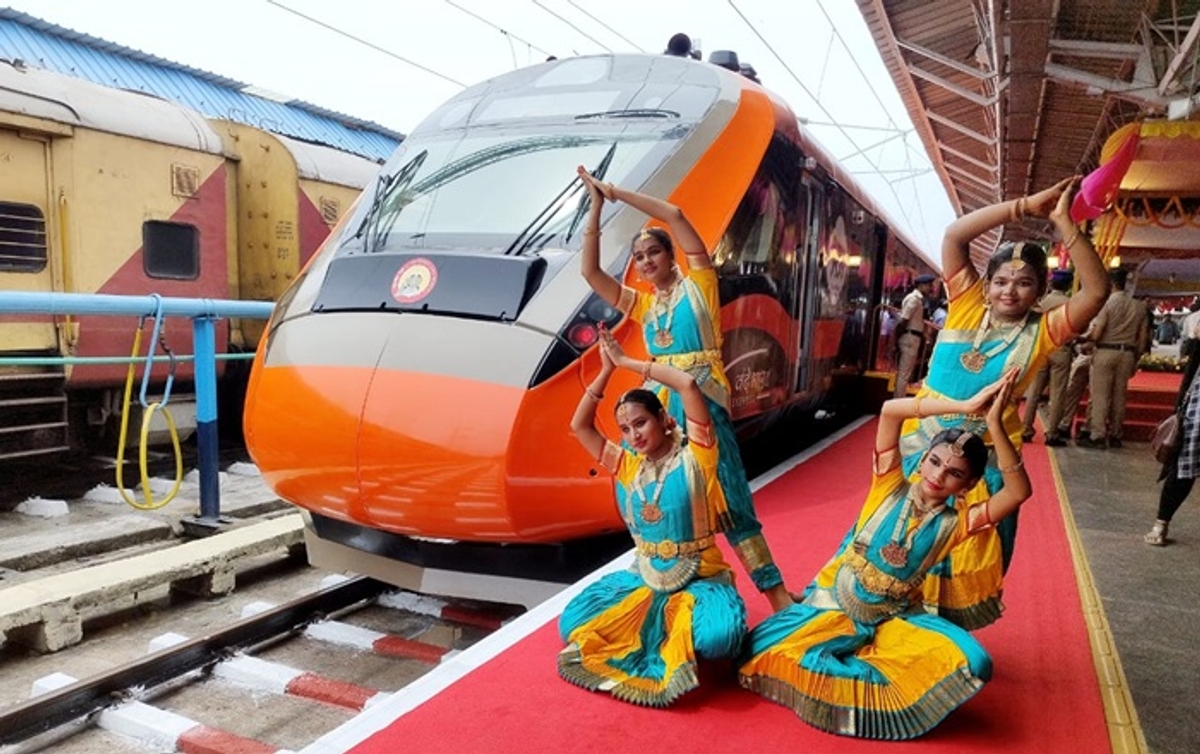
(59, 49)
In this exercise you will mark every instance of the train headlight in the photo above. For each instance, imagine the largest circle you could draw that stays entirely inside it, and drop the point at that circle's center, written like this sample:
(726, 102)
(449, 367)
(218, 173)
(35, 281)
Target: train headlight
(579, 334)
(582, 336)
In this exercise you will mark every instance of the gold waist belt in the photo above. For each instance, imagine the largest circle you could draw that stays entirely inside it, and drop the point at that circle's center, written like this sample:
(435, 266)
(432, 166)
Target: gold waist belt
(876, 581)
(668, 549)
(686, 361)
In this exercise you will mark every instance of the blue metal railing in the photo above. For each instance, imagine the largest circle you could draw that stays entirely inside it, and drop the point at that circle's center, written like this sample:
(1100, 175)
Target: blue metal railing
(204, 313)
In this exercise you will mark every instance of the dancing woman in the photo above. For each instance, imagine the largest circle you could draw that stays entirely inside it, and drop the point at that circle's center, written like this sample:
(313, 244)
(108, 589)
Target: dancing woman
(990, 329)
(637, 634)
(860, 656)
(681, 323)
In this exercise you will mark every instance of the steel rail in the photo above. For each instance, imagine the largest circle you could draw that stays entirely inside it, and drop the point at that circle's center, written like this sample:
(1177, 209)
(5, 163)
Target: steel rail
(86, 697)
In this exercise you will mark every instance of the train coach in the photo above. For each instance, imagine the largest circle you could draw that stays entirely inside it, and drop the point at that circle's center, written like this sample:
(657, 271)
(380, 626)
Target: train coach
(415, 386)
(115, 192)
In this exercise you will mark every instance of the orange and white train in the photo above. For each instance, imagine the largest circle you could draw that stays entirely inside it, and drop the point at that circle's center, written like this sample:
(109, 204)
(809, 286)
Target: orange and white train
(415, 385)
(115, 192)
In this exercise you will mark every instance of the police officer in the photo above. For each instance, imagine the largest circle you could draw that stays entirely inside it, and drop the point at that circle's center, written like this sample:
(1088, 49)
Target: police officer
(1121, 332)
(910, 332)
(1057, 370)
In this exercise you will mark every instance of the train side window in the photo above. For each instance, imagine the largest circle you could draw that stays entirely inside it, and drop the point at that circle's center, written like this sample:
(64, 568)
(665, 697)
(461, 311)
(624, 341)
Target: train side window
(22, 238)
(170, 250)
(756, 254)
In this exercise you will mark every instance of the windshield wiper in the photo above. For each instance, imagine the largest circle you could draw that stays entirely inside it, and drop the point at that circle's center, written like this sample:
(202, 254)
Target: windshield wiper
(532, 231)
(642, 112)
(585, 203)
(389, 186)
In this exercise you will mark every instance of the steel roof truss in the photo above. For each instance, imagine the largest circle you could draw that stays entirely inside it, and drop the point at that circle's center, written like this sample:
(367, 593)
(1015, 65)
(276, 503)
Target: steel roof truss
(976, 73)
(1139, 93)
(983, 183)
(991, 168)
(1084, 48)
(950, 86)
(1186, 49)
(990, 141)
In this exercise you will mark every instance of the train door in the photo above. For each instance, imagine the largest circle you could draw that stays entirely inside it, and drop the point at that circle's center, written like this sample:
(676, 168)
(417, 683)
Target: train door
(812, 202)
(24, 241)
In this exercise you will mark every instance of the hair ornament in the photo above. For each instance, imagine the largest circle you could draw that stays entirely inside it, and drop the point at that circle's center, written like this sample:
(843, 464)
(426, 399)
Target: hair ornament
(644, 233)
(959, 446)
(1016, 261)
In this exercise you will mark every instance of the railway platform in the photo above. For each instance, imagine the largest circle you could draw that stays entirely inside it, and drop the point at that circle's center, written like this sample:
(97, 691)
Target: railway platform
(1096, 653)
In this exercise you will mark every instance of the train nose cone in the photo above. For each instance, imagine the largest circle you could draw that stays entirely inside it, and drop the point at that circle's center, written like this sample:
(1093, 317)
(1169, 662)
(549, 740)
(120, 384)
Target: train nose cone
(402, 423)
(432, 454)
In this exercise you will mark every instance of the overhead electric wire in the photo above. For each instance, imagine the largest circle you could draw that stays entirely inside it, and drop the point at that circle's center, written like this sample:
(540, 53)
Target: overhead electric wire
(498, 28)
(573, 26)
(362, 41)
(786, 67)
(874, 92)
(900, 204)
(626, 39)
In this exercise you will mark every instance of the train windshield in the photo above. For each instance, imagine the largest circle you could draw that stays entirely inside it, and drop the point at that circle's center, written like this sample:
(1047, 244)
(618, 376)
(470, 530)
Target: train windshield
(500, 192)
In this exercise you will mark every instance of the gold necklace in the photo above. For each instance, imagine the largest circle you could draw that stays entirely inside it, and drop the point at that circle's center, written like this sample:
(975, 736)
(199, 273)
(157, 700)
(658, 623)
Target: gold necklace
(975, 359)
(894, 553)
(650, 512)
(662, 301)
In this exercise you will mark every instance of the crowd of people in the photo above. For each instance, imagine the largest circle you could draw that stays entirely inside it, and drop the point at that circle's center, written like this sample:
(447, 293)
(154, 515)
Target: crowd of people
(879, 644)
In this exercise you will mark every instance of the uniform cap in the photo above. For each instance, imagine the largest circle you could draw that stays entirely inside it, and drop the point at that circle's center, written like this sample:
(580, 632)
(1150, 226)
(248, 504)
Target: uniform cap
(922, 279)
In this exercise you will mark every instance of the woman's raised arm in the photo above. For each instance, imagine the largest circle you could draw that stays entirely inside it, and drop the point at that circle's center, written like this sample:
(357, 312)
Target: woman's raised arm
(605, 285)
(686, 236)
(956, 244)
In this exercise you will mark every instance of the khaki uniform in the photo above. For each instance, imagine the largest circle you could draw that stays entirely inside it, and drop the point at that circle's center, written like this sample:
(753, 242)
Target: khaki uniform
(910, 336)
(1057, 372)
(1121, 331)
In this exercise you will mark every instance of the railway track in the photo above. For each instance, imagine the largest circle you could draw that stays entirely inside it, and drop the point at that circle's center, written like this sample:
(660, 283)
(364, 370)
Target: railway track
(342, 643)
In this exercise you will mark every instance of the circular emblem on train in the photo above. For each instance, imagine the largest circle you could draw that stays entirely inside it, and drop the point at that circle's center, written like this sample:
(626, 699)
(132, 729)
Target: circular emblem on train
(414, 280)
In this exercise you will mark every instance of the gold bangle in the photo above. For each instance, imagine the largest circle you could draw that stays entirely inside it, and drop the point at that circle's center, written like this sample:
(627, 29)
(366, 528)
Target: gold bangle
(1074, 238)
(592, 394)
(1012, 211)
(646, 370)
(591, 232)
(917, 405)
(1021, 206)
(1015, 467)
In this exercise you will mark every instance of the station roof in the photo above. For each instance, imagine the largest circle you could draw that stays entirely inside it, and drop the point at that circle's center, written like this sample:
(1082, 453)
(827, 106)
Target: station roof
(1011, 96)
(56, 48)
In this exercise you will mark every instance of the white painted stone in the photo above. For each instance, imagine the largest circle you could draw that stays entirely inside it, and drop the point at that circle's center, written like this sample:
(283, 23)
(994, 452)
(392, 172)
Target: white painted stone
(52, 682)
(158, 487)
(413, 603)
(334, 579)
(257, 674)
(103, 493)
(150, 725)
(243, 469)
(193, 477)
(43, 508)
(165, 641)
(343, 634)
(256, 608)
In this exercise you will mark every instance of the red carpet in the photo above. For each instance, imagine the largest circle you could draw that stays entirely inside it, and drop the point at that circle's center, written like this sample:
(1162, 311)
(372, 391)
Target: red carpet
(1043, 697)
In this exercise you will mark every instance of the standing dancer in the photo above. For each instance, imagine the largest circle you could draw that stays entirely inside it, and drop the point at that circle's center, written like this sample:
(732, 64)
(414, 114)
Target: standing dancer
(681, 322)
